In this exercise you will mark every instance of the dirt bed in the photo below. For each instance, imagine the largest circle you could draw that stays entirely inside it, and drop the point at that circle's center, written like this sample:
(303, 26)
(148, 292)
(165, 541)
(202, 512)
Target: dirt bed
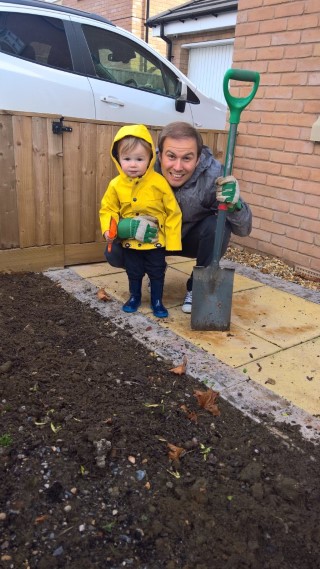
(87, 481)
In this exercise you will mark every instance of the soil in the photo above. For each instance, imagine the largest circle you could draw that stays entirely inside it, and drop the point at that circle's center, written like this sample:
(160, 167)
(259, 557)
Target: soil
(86, 416)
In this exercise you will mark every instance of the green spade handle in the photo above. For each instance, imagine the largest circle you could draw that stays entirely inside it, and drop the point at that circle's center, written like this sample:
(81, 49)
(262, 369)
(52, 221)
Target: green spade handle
(236, 105)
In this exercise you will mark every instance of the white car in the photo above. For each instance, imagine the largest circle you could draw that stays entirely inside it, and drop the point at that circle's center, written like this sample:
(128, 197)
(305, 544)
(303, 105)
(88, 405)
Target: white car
(57, 60)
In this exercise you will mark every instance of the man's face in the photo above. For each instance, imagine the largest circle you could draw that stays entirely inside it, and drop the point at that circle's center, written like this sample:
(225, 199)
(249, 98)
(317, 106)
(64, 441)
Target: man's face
(178, 160)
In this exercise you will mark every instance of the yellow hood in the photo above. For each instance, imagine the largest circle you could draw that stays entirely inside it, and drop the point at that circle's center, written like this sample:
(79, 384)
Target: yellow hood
(139, 131)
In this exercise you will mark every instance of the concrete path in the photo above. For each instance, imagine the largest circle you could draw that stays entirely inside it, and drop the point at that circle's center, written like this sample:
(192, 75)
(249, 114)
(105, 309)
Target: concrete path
(268, 364)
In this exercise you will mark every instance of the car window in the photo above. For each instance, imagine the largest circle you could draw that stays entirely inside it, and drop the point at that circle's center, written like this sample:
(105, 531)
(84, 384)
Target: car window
(40, 39)
(120, 60)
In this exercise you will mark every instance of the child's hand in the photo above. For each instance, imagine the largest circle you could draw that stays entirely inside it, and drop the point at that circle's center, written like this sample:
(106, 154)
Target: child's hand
(141, 228)
(107, 238)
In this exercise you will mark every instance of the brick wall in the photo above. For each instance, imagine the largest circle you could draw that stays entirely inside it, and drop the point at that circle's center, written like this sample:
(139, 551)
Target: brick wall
(277, 164)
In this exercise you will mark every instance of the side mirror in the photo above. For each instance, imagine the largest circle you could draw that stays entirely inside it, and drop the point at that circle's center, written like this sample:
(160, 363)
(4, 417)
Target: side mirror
(181, 99)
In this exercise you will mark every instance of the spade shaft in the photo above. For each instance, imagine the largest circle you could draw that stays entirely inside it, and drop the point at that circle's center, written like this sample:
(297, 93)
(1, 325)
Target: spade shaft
(212, 286)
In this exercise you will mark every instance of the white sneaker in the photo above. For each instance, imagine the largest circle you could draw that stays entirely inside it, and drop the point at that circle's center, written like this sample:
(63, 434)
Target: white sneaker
(187, 304)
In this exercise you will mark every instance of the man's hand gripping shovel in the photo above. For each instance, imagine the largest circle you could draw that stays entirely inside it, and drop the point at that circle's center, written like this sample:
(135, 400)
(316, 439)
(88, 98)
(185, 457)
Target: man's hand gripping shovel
(213, 286)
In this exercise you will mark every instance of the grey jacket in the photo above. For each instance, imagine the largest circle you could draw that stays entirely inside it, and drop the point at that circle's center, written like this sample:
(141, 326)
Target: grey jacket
(197, 198)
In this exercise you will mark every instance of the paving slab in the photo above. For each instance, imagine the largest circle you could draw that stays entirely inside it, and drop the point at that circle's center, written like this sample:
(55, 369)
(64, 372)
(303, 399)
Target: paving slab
(293, 373)
(276, 316)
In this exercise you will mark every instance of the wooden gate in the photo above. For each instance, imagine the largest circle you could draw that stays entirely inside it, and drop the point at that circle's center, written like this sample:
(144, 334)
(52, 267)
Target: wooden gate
(51, 187)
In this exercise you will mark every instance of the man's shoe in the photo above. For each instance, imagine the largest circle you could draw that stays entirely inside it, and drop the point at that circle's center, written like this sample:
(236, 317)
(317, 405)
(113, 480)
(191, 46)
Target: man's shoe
(159, 310)
(187, 304)
(132, 304)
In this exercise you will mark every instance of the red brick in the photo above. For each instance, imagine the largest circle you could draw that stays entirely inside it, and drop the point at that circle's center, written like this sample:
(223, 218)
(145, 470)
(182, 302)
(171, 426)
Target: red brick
(285, 242)
(247, 29)
(249, 4)
(283, 157)
(290, 106)
(292, 220)
(289, 9)
(283, 184)
(244, 55)
(273, 25)
(307, 249)
(302, 22)
(308, 64)
(295, 172)
(298, 51)
(286, 65)
(311, 7)
(286, 38)
(263, 235)
(310, 161)
(275, 143)
(281, 92)
(272, 227)
(304, 211)
(314, 79)
(285, 131)
(311, 225)
(294, 79)
(306, 186)
(260, 40)
(260, 14)
(310, 36)
(257, 153)
(270, 53)
(306, 92)
(299, 146)
(299, 235)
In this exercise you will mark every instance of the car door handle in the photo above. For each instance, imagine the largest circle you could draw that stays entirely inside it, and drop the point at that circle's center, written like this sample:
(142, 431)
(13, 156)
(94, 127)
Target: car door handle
(112, 101)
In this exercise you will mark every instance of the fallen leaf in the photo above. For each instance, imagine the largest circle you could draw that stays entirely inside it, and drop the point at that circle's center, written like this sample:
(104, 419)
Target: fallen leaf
(191, 415)
(147, 485)
(207, 400)
(181, 369)
(175, 452)
(40, 519)
(103, 296)
(132, 459)
(271, 381)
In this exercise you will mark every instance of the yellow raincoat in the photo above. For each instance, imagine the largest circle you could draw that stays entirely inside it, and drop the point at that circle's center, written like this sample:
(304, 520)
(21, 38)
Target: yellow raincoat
(149, 194)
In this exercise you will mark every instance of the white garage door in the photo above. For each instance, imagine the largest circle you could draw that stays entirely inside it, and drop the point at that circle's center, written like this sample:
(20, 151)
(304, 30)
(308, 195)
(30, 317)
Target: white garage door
(208, 63)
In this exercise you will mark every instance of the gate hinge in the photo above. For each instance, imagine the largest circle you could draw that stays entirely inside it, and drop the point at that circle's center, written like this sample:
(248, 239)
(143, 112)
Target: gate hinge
(59, 128)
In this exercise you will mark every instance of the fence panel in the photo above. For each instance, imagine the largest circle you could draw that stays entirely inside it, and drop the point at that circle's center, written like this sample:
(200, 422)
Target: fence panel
(51, 188)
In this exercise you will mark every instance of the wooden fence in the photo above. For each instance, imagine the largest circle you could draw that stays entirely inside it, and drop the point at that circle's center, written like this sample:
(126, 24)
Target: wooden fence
(51, 187)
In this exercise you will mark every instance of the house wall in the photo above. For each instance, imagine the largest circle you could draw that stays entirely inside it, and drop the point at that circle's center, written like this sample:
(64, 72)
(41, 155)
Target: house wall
(128, 14)
(277, 164)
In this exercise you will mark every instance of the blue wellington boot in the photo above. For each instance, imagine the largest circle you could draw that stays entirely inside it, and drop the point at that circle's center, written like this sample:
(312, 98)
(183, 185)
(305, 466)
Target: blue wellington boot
(158, 309)
(134, 301)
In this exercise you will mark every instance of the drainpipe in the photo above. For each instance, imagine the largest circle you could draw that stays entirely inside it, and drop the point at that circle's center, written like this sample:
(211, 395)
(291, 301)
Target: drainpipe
(147, 18)
(166, 39)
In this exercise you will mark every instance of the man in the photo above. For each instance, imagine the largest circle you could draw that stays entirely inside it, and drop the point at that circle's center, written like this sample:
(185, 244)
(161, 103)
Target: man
(195, 177)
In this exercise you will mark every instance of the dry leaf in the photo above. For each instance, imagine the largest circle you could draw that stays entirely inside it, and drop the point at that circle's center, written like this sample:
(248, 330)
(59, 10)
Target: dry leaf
(181, 369)
(192, 416)
(175, 452)
(103, 296)
(271, 381)
(132, 459)
(147, 485)
(40, 519)
(208, 400)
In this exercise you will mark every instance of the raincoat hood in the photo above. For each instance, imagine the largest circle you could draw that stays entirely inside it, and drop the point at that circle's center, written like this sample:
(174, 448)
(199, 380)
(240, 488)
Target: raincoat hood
(138, 131)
